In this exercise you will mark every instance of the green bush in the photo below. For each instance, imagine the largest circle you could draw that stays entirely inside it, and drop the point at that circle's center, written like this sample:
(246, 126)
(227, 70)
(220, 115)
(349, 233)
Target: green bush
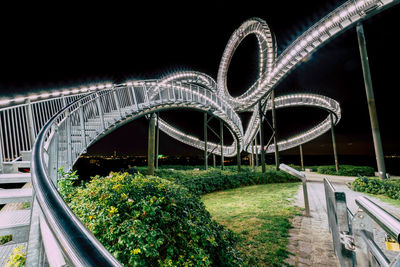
(202, 182)
(149, 221)
(5, 238)
(346, 170)
(377, 186)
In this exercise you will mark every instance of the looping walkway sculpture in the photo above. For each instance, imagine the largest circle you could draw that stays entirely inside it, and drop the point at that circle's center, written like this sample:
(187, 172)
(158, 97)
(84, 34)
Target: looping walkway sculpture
(60, 126)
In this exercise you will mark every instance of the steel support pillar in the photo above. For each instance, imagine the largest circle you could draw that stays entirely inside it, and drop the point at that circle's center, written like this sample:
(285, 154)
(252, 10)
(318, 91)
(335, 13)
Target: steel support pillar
(238, 158)
(221, 134)
(214, 161)
(253, 155)
(256, 150)
(157, 140)
(261, 137)
(151, 145)
(301, 157)
(334, 142)
(371, 102)
(275, 130)
(205, 142)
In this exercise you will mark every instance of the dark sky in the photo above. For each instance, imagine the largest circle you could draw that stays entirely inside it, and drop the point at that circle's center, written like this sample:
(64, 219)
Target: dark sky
(63, 45)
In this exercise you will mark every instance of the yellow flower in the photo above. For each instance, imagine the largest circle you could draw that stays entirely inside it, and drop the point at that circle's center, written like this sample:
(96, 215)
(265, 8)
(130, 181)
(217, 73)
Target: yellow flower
(91, 217)
(135, 251)
(112, 210)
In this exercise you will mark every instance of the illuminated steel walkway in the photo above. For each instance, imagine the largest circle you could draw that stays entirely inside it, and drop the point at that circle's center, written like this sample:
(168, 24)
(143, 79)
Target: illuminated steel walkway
(59, 126)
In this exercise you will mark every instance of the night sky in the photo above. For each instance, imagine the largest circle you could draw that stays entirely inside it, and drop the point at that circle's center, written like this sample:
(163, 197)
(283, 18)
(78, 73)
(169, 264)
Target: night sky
(49, 47)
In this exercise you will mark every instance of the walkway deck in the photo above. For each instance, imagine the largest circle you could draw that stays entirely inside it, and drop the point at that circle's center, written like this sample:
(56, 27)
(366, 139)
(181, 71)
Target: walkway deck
(310, 240)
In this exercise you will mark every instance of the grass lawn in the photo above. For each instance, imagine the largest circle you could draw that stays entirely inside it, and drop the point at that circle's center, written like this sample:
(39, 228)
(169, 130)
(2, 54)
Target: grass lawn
(260, 215)
(394, 202)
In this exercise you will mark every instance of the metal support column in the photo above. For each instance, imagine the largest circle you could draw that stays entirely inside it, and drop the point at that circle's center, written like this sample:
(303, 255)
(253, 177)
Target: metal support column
(301, 157)
(371, 102)
(214, 161)
(221, 133)
(205, 142)
(261, 137)
(151, 145)
(157, 139)
(256, 150)
(238, 156)
(252, 156)
(275, 130)
(334, 142)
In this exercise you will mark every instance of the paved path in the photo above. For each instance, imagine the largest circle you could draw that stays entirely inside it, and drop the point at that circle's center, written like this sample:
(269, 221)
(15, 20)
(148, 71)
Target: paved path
(310, 240)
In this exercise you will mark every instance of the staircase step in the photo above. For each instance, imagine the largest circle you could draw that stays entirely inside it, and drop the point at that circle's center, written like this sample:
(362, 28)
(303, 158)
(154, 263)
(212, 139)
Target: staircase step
(15, 195)
(12, 167)
(10, 178)
(15, 222)
(6, 250)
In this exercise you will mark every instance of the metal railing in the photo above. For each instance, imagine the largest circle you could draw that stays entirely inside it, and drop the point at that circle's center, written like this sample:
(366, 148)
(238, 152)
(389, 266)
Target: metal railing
(303, 179)
(55, 230)
(353, 235)
(295, 100)
(20, 124)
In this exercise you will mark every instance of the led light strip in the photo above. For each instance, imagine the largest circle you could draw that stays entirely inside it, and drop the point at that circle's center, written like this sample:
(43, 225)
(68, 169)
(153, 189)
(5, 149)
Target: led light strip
(47, 95)
(307, 43)
(272, 70)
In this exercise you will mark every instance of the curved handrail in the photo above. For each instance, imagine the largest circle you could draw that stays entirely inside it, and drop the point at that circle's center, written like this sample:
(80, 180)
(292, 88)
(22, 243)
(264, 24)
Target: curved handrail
(78, 244)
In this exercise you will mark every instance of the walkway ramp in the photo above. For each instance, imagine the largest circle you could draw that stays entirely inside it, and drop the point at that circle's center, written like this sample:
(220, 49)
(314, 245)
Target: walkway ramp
(310, 239)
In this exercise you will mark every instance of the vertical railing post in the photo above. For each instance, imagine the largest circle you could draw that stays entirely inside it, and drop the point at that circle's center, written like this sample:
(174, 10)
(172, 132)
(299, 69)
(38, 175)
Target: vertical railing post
(261, 137)
(205, 142)
(301, 157)
(101, 114)
(275, 131)
(116, 99)
(69, 140)
(151, 145)
(221, 135)
(334, 143)
(157, 139)
(54, 155)
(134, 98)
(29, 119)
(34, 249)
(82, 122)
(376, 134)
(130, 96)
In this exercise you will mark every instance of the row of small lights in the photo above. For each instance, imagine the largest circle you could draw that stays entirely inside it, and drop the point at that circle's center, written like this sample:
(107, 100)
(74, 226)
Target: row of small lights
(302, 48)
(196, 141)
(20, 99)
(306, 134)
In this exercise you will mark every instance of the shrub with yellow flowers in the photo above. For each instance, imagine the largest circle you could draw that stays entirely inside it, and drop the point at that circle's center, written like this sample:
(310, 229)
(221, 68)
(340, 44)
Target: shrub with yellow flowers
(149, 221)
